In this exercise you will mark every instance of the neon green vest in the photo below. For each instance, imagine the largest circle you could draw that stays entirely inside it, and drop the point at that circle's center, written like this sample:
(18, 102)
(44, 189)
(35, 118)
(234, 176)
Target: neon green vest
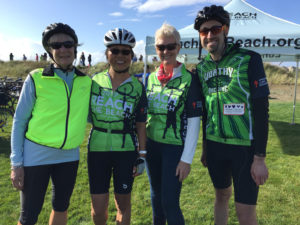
(166, 107)
(113, 114)
(58, 117)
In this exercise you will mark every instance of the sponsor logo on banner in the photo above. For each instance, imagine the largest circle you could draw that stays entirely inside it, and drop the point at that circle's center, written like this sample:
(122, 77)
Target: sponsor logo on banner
(237, 109)
(243, 16)
(264, 42)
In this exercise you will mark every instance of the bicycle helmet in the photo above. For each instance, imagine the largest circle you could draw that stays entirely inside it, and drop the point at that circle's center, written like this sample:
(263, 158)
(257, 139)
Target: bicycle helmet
(119, 36)
(58, 28)
(212, 12)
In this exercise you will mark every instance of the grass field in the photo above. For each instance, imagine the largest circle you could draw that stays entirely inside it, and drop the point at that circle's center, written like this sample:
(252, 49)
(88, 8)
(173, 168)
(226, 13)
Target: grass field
(279, 198)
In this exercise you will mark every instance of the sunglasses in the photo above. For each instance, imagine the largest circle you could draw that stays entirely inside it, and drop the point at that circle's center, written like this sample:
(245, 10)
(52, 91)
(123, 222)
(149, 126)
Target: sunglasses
(214, 30)
(58, 45)
(116, 51)
(169, 47)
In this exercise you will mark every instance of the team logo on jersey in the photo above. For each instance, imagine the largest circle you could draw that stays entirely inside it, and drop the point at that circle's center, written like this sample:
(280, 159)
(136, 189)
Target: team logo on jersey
(110, 106)
(234, 109)
(225, 71)
(218, 80)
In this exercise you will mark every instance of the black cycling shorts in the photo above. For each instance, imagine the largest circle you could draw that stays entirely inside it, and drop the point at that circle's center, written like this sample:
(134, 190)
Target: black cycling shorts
(101, 165)
(225, 161)
(36, 180)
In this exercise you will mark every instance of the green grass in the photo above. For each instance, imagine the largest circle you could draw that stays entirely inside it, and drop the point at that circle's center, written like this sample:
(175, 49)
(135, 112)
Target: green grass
(279, 198)
(14, 69)
(278, 203)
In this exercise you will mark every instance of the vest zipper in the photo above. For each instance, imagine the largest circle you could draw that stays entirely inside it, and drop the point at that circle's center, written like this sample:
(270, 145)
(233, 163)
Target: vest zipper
(67, 118)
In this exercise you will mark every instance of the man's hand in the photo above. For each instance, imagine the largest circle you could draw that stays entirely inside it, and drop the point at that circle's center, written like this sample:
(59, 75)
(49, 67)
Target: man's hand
(182, 171)
(203, 155)
(259, 170)
(17, 177)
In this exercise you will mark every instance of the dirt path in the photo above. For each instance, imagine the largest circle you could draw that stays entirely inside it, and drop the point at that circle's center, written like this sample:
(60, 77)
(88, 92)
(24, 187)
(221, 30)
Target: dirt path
(284, 92)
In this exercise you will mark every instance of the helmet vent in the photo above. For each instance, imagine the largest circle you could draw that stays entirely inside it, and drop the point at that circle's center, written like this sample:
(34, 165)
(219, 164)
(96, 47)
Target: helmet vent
(107, 38)
(114, 34)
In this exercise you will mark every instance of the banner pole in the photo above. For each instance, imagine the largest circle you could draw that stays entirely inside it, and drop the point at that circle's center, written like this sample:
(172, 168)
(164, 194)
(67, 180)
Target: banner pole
(295, 94)
(145, 67)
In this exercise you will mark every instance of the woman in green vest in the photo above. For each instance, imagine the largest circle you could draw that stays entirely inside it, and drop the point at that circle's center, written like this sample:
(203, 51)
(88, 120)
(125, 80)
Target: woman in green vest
(118, 138)
(173, 124)
(48, 127)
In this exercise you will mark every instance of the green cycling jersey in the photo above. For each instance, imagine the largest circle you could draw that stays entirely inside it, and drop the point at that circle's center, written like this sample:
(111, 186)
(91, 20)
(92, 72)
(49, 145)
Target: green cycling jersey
(228, 92)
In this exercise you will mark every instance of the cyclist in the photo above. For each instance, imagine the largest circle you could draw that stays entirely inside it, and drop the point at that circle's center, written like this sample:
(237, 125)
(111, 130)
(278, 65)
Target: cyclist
(173, 125)
(118, 138)
(48, 127)
(235, 121)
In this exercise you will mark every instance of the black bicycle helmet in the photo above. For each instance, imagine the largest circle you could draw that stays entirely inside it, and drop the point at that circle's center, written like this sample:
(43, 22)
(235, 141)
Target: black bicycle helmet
(58, 28)
(212, 12)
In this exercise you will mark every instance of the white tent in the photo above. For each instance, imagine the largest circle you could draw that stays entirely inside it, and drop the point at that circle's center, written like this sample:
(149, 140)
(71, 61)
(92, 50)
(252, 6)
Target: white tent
(277, 40)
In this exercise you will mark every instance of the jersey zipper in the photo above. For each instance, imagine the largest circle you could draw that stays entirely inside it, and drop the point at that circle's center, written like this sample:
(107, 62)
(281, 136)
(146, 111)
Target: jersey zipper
(222, 133)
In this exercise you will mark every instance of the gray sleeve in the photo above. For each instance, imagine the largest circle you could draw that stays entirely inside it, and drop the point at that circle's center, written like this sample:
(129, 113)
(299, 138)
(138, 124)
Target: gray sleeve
(20, 122)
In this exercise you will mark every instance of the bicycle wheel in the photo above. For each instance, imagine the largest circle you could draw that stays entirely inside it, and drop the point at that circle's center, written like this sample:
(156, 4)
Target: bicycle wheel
(4, 114)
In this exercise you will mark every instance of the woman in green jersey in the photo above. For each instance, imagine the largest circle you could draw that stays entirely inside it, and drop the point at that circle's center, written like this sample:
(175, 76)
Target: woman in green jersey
(173, 124)
(118, 138)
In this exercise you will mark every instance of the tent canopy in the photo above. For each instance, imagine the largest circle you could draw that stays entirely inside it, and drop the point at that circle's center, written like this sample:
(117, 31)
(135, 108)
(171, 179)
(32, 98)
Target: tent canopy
(275, 39)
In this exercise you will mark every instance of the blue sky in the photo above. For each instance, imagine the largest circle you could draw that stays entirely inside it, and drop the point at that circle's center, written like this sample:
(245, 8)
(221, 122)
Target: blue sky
(23, 21)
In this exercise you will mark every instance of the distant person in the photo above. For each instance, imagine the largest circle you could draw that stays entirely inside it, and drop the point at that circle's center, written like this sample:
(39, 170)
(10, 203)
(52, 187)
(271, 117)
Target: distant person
(140, 75)
(24, 57)
(11, 57)
(141, 58)
(134, 59)
(117, 141)
(36, 57)
(90, 60)
(42, 57)
(48, 127)
(82, 59)
(154, 59)
(45, 56)
(235, 121)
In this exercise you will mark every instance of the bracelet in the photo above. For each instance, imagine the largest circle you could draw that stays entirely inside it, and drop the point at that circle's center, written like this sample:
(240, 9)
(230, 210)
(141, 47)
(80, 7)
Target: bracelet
(142, 152)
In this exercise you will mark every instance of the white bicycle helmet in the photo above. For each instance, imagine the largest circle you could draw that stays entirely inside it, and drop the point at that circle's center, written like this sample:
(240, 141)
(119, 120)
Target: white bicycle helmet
(119, 36)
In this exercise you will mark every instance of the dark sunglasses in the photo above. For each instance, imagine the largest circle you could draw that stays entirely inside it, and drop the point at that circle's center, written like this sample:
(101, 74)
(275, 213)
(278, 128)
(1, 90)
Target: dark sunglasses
(214, 30)
(116, 51)
(58, 45)
(169, 47)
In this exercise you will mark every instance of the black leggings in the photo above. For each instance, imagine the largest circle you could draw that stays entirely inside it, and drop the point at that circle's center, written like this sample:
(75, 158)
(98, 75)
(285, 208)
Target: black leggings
(36, 180)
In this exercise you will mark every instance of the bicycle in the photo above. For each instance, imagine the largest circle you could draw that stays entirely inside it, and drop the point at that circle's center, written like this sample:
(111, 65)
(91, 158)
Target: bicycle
(9, 94)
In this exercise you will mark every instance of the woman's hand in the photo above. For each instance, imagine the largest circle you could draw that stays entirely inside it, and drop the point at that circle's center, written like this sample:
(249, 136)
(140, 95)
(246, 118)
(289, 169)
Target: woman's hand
(17, 177)
(182, 171)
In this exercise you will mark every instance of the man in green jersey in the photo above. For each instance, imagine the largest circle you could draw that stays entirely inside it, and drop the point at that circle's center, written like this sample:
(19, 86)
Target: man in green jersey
(235, 121)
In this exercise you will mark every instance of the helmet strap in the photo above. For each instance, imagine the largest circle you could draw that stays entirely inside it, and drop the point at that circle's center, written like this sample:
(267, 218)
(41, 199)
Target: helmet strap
(121, 71)
(200, 49)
